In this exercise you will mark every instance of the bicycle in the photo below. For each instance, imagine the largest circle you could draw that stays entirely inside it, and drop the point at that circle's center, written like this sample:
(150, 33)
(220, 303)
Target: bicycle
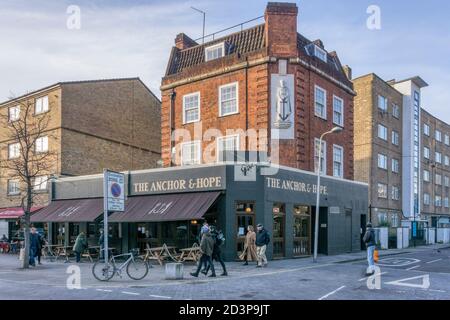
(135, 266)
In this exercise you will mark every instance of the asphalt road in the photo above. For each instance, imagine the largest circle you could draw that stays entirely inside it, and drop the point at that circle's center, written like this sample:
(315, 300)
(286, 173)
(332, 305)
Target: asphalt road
(420, 274)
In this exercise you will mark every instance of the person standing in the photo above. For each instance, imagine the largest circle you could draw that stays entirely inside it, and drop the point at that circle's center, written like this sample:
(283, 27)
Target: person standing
(262, 240)
(206, 248)
(80, 245)
(369, 240)
(101, 243)
(34, 246)
(249, 252)
(42, 243)
(219, 239)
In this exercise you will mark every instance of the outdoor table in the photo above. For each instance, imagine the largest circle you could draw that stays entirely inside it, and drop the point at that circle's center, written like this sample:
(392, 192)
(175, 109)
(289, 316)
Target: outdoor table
(62, 251)
(190, 254)
(48, 250)
(161, 253)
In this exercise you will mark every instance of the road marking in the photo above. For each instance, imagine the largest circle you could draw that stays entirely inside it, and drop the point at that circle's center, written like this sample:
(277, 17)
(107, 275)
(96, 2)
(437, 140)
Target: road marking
(415, 267)
(424, 285)
(103, 290)
(131, 293)
(434, 261)
(162, 297)
(331, 293)
(434, 290)
(365, 278)
(397, 262)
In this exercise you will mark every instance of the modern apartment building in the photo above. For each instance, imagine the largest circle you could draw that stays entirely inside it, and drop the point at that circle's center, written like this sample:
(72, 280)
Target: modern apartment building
(267, 88)
(92, 125)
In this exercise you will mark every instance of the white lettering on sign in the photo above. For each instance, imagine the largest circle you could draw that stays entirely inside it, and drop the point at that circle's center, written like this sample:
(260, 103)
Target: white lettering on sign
(68, 212)
(178, 185)
(160, 208)
(296, 186)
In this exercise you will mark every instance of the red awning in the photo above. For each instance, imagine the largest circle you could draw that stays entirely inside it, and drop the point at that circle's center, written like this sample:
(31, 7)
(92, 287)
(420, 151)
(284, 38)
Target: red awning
(74, 210)
(167, 207)
(15, 213)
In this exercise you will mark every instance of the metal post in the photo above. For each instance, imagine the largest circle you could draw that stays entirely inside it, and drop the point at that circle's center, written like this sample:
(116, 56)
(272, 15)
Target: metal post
(105, 216)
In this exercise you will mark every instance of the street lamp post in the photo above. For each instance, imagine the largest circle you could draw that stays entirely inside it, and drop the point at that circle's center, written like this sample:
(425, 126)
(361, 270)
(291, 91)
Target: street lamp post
(316, 224)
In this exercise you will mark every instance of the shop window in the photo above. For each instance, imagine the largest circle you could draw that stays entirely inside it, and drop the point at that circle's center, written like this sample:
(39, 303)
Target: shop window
(302, 231)
(279, 218)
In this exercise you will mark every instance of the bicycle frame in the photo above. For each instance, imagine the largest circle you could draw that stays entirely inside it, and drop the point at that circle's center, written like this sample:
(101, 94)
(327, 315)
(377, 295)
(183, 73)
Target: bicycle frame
(118, 270)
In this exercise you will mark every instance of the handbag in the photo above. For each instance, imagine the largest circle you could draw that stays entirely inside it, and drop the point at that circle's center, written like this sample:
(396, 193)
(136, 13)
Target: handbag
(376, 256)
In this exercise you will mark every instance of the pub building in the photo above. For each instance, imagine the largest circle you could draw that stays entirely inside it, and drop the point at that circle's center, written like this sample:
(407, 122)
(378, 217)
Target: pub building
(169, 205)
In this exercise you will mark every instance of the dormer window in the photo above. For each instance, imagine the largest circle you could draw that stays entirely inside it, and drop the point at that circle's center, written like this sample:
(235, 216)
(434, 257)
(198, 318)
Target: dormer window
(214, 52)
(320, 53)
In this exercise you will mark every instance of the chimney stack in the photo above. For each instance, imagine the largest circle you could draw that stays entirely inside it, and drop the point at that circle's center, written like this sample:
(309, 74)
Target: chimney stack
(348, 72)
(281, 29)
(182, 42)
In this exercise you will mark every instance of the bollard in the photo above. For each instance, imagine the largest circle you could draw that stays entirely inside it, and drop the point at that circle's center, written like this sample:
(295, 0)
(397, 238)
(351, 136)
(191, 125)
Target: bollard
(174, 271)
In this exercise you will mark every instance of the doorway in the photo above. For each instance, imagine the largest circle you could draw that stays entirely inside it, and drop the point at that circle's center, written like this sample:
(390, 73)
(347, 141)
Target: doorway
(302, 231)
(279, 221)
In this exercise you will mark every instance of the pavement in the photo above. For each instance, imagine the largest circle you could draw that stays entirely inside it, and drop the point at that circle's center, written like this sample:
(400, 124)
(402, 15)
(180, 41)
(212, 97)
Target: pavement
(421, 273)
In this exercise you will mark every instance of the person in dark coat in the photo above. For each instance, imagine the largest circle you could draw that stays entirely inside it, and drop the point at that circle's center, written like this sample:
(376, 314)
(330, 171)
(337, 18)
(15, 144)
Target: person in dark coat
(35, 246)
(42, 243)
(369, 240)
(217, 252)
(262, 240)
(80, 245)
(101, 243)
(206, 248)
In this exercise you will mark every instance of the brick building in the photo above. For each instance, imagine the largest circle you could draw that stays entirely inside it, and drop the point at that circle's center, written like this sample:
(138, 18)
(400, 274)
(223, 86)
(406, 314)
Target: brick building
(93, 125)
(236, 84)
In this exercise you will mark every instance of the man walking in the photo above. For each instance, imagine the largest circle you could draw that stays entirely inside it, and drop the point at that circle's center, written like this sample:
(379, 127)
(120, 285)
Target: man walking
(369, 240)
(219, 239)
(206, 247)
(262, 240)
(34, 246)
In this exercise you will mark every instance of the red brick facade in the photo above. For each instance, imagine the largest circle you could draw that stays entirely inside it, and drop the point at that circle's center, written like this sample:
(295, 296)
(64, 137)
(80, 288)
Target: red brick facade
(252, 70)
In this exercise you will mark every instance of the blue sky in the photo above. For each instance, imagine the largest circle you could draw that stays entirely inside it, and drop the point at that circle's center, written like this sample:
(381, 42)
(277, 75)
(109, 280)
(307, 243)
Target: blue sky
(131, 38)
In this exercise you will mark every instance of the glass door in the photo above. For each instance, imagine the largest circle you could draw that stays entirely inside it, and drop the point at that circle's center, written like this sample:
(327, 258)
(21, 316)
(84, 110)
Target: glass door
(245, 216)
(279, 219)
(302, 231)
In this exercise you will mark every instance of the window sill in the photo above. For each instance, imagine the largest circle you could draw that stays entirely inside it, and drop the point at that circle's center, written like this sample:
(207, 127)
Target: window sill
(13, 194)
(190, 122)
(228, 114)
(320, 117)
(41, 113)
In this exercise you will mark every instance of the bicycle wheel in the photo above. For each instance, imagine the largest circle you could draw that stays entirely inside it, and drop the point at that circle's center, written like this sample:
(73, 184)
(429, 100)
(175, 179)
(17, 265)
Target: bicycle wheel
(137, 269)
(103, 271)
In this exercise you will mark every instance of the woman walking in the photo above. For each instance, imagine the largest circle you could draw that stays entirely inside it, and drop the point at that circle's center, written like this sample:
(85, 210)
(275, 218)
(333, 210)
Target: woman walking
(80, 245)
(249, 252)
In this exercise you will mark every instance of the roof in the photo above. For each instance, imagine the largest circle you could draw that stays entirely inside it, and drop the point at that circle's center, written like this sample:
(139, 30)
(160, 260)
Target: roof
(417, 80)
(58, 84)
(247, 41)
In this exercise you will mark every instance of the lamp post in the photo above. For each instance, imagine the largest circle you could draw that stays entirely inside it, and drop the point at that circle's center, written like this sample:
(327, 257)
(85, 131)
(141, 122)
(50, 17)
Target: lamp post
(316, 224)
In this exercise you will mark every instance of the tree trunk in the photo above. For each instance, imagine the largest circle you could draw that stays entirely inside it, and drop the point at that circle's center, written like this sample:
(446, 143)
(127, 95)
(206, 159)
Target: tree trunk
(26, 246)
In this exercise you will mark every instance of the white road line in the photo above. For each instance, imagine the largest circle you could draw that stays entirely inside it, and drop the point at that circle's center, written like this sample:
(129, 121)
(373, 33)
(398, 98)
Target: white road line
(434, 290)
(162, 297)
(331, 293)
(103, 290)
(365, 278)
(415, 267)
(131, 293)
(434, 261)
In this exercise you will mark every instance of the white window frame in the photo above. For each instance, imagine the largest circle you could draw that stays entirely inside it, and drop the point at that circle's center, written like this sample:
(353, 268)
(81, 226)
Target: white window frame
(438, 179)
(446, 181)
(438, 135)
(198, 143)
(323, 169)
(39, 105)
(40, 183)
(234, 84)
(395, 111)
(15, 115)
(382, 156)
(385, 103)
(323, 54)
(437, 201)
(446, 202)
(426, 129)
(426, 199)
(395, 193)
(426, 175)
(447, 140)
(395, 165)
(41, 145)
(438, 157)
(385, 188)
(341, 164)
(446, 160)
(395, 138)
(341, 123)
(198, 107)
(17, 188)
(220, 141)
(213, 48)
(426, 153)
(14, 150)
(316, 87)
(384, 131)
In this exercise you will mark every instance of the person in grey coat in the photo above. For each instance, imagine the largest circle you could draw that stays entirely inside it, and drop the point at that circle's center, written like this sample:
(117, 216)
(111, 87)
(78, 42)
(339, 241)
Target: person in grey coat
(369, 240)
(207, 248)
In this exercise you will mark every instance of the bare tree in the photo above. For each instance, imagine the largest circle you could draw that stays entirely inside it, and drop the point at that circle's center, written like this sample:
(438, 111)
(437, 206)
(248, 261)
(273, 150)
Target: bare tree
(21, 134)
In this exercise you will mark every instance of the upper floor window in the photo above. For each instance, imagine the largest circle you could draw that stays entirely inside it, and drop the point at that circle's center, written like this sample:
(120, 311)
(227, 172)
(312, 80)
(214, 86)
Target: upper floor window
(438, 179)
(395, 138)
(426, 152)
(13, 187)
(13, 150)
(338, 161)
(438, 135)
(214, 52)
(426, 199)
(191, 153)
(191, 108)
(14, 113)
(446, 181)
(438, 157)
(446, 161)
(446, 202)
(382, 132)
(382, 161)
(426, 175)
(438, 201)
(382, 190)
(41, 105)
(228, 99)
(338, 111)
(40, 183)
(447, 140)
(320, 102)
(227, 143)
(395, 193)
(396, 111)
(42, 144)
(323, 157)
(320, 53)
(382, 103)
(426, 129)
(395, 166)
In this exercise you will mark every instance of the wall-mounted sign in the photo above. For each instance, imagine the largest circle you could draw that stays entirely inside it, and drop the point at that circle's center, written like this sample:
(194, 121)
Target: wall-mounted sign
(178, 185)
(296, 186)
(282, 106)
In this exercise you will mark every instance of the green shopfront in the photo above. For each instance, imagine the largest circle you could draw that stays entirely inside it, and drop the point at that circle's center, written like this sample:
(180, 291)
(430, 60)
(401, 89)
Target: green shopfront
(168, 206)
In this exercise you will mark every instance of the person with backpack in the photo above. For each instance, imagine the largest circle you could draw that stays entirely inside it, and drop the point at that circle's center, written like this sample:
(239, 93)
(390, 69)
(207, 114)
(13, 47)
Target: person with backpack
(262, 240)
(369, 240)
(219, 240)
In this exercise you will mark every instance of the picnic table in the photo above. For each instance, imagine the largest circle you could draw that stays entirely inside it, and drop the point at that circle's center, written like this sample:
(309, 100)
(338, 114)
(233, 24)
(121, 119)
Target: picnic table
(161, 253)
(190, 254)
(63, 251)
(49, 250)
